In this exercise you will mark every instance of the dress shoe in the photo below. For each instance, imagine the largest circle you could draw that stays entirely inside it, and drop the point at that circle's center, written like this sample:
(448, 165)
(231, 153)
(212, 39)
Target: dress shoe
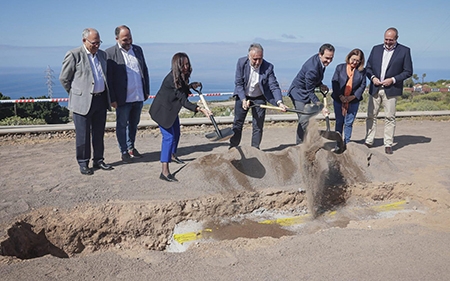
(102, 165)
(177, 160)
(134, 153)
(126, 158)
(169, 178)
(388, 150)
(86, 170)
(368, 145)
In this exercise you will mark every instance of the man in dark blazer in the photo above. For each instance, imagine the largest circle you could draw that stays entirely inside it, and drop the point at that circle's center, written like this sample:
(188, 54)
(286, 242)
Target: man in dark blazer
(83, 76)
(255, 84)
(129, 87)
(304, 84)
(389, 64)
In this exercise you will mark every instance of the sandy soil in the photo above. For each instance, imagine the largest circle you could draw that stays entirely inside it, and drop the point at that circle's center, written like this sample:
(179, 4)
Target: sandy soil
(284, 212)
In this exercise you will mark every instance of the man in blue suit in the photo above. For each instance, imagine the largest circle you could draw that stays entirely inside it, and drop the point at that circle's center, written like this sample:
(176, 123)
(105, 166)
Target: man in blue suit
(129, 87)
(307, 80)
(255, 83)
(83, 76)
(389, 64)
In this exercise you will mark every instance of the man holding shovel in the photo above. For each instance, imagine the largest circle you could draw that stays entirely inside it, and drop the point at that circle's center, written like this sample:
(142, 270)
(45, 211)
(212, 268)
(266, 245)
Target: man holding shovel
(255, 84)
(307, 80)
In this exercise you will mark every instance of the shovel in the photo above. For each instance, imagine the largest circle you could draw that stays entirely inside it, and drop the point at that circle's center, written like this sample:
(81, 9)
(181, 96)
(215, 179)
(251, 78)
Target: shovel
(309, 109)
(334, 136)
(217, 135)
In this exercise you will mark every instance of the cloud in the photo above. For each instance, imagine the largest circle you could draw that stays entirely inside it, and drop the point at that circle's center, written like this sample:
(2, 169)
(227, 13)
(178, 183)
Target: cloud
(288, 36)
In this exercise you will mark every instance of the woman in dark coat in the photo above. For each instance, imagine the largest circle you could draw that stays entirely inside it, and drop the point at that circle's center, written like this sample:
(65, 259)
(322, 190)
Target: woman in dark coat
(349, 82)
(164, 110)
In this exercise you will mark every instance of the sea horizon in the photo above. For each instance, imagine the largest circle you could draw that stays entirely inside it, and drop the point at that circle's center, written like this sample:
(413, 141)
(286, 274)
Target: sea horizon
(32, 82)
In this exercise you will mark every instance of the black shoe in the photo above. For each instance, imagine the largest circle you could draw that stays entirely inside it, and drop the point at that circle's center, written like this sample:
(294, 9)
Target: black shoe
(86, 170)
(177, 160)
(102, 165)
(388, 150)
(126, 158)
(134, 153)
(169, 178)
(368, 145)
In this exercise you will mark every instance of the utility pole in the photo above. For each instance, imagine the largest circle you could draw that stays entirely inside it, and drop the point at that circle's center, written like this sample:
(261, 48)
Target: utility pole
(49, 76)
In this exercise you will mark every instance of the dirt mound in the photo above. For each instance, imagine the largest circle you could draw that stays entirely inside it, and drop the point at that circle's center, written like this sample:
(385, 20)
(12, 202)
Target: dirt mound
(240, 181)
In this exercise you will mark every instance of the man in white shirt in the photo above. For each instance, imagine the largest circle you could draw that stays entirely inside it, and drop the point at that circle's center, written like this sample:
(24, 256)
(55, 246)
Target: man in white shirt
(255, 83)
(128, 79)
(389, 64)
(83, 76)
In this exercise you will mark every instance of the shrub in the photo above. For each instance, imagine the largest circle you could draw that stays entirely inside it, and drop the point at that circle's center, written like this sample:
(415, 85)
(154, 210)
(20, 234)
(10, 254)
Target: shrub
(433, 96)
(16, 120)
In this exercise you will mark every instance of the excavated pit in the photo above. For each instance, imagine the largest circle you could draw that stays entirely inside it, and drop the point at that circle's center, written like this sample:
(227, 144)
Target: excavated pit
(296, 181)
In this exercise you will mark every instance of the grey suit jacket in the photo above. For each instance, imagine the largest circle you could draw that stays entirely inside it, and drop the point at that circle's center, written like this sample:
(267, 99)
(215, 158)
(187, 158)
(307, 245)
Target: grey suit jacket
(117, 74)
(77, 79)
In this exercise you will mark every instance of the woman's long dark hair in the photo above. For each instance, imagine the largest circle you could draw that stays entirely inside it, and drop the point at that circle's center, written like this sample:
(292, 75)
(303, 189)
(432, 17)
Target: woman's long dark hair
(177, 66)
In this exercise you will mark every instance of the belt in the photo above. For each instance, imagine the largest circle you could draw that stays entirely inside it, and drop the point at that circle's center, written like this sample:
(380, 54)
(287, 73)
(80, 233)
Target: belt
(97, 94)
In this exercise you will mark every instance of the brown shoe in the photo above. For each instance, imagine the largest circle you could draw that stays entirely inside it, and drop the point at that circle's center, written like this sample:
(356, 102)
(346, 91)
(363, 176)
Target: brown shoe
(388, 150)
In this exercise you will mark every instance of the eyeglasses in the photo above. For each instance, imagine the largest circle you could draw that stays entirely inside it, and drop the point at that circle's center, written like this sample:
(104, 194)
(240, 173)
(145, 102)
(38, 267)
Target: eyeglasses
(354, 61)
(94, 43)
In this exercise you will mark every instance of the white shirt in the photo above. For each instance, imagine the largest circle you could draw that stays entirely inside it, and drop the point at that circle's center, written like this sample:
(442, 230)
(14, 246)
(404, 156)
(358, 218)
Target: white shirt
(253, 89)
(135, 89)
(99, 81)
(387, 55)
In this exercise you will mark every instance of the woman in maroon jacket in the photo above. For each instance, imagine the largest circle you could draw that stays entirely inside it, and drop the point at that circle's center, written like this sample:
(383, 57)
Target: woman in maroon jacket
(164, 110)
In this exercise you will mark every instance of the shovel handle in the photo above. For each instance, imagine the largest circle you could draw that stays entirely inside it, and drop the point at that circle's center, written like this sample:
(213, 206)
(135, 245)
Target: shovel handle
(287, 109)
(213, 121)
(270, 107)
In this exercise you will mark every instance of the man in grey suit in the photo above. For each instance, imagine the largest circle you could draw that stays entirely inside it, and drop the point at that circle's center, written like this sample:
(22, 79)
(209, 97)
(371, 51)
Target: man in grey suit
(128, 82)
(255, 82)
(83, 76)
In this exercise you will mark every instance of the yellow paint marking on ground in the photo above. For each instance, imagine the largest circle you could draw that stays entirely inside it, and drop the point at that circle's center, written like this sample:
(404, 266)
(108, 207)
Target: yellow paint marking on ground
(287, 221)
(192, 236)
(400, 205)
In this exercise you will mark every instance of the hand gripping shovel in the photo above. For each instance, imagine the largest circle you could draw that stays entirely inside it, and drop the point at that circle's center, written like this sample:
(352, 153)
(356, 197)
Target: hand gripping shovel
(217, 135)
(334, 136)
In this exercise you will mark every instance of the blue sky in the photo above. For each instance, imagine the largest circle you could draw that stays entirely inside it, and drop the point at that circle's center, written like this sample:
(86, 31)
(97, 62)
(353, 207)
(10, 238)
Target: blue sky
(216, 33)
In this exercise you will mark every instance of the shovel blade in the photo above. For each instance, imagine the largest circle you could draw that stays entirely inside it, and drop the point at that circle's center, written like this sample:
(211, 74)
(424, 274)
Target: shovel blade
(335, 136)
(224, 135)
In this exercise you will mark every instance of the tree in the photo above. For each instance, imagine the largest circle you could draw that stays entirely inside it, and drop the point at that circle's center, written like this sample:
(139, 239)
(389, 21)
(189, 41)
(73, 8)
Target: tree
(6, 109)
(51, 112)
(409, 83)
(415, 77)
(423, 77)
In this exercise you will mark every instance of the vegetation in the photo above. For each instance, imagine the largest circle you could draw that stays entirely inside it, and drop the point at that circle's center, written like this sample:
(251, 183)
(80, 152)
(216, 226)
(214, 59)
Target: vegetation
(53, 113)
(49, 112)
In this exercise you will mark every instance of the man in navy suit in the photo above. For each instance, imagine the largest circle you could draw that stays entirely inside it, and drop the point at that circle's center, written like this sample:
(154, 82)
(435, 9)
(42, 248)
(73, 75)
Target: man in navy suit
(307, 80)
(255, 83)
(389, 64)
(128, 81)
(83, 76)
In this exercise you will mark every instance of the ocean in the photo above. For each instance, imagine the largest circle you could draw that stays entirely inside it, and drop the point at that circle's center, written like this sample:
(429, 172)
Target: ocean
(33, 82)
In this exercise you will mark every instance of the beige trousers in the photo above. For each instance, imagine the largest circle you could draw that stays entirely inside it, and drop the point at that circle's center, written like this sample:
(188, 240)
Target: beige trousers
(375, 102)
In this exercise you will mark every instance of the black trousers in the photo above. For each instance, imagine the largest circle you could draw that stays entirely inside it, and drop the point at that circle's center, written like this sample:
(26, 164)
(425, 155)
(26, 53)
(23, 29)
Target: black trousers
(92, 123)
(258, 116)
